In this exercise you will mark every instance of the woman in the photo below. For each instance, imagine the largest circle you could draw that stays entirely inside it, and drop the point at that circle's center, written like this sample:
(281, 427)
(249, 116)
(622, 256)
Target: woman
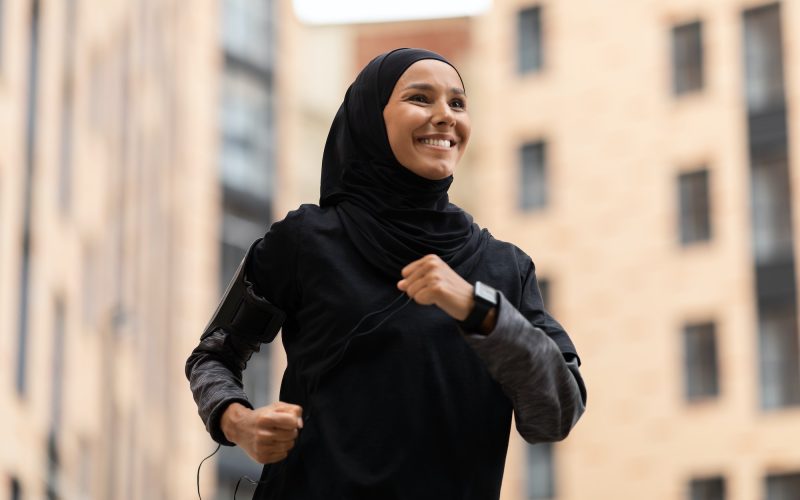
(411, 334)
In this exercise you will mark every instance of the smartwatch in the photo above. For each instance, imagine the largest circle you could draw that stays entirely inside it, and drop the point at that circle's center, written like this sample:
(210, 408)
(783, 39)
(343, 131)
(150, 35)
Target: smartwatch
(485, 299)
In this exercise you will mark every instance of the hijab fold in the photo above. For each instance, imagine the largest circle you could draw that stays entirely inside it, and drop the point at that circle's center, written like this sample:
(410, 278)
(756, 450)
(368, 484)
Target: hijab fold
(392, 215)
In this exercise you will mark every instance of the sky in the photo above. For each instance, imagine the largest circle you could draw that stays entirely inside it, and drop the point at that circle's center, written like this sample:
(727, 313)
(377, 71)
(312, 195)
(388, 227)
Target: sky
(365, 11)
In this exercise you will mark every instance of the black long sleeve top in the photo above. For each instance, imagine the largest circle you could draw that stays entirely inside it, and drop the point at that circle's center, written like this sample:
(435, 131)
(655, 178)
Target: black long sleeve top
(414, 408)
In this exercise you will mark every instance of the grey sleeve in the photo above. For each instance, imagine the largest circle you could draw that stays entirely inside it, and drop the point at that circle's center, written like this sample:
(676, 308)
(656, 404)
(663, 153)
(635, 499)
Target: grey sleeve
(545, 389)
(215, 366)
(214, 370)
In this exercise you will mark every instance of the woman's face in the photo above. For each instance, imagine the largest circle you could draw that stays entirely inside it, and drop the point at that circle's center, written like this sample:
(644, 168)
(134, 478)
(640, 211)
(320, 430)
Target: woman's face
(426, 119)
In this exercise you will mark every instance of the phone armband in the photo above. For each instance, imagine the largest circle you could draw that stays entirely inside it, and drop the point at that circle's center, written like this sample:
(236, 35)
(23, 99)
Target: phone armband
(242, 312)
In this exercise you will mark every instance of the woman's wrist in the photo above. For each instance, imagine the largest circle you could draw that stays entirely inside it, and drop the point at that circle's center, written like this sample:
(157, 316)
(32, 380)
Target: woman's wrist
(230, 419)
(489, 322)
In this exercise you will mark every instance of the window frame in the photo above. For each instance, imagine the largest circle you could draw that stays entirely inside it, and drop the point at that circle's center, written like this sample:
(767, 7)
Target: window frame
(688, 58)
(533, 176)
(695, 222)
(530, 59)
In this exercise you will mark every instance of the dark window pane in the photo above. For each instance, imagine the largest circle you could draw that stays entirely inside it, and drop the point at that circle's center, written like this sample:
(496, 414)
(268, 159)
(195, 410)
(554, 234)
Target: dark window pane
(771, 209)
(30, 143)
(533, 188)
(712, 488)
(246, 27)
(541, 472)
(247, 133)
(57, 365)
(52, 467)
(763, 54)
(22, 336)
(529, 33)
(695, 220)
(687, 58)
(702, 372)
(16, 490)
(778, 349)
(783, 487)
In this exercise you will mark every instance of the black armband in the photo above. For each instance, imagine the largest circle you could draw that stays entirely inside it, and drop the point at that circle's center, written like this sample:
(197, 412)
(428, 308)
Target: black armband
(243, 312)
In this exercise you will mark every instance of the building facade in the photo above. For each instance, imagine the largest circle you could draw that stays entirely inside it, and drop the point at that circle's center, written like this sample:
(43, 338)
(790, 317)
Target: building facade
(126, 129)
(642, 154)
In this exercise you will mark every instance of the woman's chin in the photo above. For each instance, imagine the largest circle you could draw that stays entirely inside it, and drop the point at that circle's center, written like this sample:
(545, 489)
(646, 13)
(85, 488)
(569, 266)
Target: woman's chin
(432, 172)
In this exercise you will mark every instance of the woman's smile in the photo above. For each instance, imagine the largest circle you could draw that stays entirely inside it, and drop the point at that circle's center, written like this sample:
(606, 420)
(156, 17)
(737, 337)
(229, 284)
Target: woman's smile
(436, 142)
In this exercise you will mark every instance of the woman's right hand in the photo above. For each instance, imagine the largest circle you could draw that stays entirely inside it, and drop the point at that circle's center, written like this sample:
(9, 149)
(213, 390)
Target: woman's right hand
(267, 433)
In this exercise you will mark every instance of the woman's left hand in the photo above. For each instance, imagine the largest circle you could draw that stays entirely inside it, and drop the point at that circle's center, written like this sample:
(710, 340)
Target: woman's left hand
(430, 280)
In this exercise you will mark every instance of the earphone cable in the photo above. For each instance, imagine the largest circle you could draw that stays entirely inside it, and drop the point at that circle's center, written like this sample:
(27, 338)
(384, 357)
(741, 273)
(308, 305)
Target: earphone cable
(201, 464)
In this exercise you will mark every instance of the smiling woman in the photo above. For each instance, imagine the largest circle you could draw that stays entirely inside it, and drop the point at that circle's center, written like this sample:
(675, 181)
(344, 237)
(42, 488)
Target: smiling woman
(411, 334)
(427, 120)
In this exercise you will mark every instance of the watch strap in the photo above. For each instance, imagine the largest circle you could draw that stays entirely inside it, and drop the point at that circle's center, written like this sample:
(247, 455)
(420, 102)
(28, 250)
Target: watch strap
(485, 297)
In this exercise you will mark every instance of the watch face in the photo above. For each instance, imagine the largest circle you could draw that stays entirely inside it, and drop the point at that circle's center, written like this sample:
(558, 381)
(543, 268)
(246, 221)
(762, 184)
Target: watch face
(486, 292)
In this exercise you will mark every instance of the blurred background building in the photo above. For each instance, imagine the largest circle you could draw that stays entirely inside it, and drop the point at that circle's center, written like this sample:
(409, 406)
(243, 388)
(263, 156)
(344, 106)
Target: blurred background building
(641, 152)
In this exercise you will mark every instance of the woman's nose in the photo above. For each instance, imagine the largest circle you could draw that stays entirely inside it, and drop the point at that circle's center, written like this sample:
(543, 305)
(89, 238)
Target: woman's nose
(443, 114)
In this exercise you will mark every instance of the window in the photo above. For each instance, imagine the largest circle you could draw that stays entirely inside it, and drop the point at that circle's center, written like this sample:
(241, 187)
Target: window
(687, 58)
(711, 488)
(778, 352)
(541, 474)
(52, 488)
(783, 486)
(533, 194)
(30, 142)
(57, 364)
(695, 221)
(246, 28)
(16, 489)
(772, 240)
(529, 33)
(702, 372)
(771, 210)
(247, 133)
(763, 53)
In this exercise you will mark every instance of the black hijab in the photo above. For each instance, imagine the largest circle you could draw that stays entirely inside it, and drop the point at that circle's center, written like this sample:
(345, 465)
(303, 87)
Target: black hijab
(392, 215)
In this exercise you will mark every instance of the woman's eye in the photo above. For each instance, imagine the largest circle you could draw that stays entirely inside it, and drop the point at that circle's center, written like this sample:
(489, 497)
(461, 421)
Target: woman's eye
(458, 103)
(418, 98)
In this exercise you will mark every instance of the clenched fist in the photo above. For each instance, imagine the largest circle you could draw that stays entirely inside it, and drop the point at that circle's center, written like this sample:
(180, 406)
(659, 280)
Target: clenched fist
(430, 281)
(266, 434)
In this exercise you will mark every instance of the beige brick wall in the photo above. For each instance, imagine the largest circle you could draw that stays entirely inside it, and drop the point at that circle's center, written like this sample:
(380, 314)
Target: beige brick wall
(133, 259)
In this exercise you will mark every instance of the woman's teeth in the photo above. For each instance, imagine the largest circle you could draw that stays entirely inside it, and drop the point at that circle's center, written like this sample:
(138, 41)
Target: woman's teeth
(444, 143)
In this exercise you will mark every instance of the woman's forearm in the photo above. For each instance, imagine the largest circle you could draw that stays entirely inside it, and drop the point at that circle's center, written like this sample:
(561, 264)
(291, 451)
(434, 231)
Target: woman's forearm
(546, 391)
(214, 370)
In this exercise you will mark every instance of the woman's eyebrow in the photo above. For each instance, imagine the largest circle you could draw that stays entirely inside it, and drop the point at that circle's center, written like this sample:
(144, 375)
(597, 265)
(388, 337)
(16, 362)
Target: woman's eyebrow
(429, 87)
